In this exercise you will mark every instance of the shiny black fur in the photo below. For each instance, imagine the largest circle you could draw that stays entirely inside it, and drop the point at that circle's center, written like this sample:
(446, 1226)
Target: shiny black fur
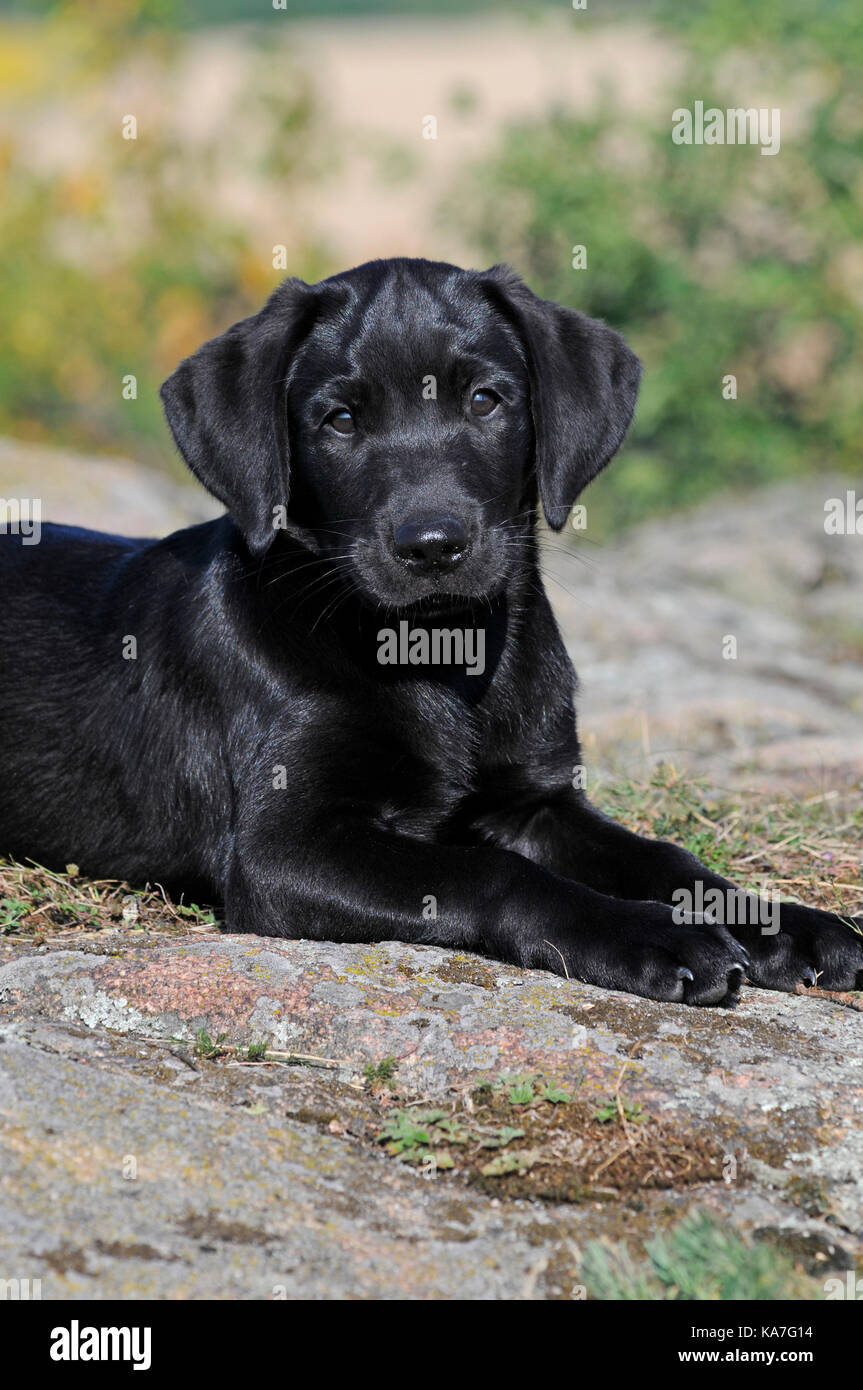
(255, 751)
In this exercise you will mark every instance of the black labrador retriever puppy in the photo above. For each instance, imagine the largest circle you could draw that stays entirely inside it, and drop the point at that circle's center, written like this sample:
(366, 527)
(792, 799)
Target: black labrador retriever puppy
(344, 710)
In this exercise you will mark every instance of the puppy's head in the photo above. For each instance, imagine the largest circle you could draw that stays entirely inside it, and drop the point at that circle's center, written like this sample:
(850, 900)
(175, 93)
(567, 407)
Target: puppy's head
(402, 415)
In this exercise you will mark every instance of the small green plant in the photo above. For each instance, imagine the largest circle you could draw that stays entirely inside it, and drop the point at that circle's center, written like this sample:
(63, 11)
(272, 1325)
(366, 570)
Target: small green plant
(204, 916)
(555, 1094)
(11, 912)
(256, 1052)
(205, 1046)
(413, 1136)
(704, 844)
(504, 1136)
(521, 1092)
(87, 914)
(381, 1073)
(408, 1136)
(610, 1112)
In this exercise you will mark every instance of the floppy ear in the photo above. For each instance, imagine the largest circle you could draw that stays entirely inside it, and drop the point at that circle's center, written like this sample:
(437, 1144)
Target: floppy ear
(583, 386)
(225, 406)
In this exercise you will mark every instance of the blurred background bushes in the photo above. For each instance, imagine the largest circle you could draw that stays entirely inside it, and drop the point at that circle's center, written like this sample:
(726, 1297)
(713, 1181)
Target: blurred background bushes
(710, 261)
(116, 258)
(119, 257)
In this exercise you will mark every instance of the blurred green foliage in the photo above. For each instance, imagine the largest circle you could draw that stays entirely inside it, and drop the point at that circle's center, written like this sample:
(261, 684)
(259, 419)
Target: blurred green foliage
(826, 29)
(696, 1260)
(190, 13)
(711, 260)
(120, 256)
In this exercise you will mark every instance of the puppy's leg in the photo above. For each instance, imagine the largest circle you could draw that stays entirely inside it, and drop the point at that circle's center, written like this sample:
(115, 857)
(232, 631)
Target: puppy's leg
(787, 943)
(351, 881)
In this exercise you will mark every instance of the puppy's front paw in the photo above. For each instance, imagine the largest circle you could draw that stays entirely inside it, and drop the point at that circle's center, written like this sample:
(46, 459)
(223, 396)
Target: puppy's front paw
(690, 965)
(810, 948)
(645, 952)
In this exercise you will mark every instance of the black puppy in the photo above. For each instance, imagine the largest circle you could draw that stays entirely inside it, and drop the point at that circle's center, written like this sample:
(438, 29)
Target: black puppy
(344, 710)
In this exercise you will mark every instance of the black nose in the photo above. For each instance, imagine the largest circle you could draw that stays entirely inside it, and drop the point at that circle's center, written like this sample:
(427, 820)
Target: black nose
(437, 544)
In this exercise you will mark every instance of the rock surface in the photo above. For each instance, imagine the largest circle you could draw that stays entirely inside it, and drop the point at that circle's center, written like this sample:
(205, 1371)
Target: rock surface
(132, 1166)
(648, 621)
(102, 494)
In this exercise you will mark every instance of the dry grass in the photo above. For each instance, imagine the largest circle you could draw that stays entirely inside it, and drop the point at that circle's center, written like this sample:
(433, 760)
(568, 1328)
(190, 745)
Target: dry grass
(808, 849)
(36, 903)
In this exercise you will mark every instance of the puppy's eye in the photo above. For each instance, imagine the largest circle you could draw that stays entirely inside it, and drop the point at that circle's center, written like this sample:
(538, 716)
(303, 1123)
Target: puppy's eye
(483, 402)
(342, 422)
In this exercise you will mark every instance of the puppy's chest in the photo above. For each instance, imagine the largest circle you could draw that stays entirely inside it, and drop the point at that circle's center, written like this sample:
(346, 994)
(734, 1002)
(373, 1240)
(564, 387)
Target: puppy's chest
(435, 763)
